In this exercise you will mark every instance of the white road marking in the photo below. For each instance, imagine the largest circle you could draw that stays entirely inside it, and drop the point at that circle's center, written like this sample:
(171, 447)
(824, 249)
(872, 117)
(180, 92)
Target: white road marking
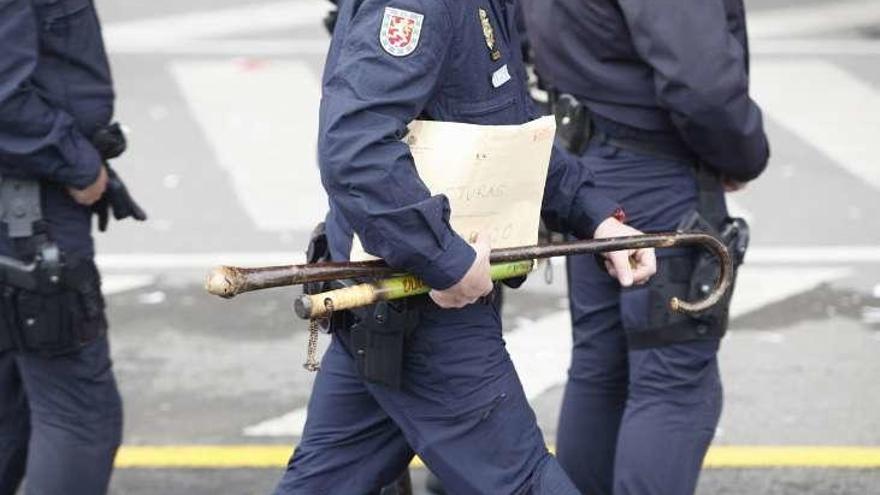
(288, 425)
(273, 47)
(800, 255)
(195, 261)
(117, 283)
(541, 351)
(261, 118)
(153, 34)
(757, 287)
(780, 255)
(815, 47)
(815, 18)
(843, 124)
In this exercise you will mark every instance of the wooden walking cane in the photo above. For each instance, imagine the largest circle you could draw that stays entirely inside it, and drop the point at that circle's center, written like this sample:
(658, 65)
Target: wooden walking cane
(507, 263)
(388, 285)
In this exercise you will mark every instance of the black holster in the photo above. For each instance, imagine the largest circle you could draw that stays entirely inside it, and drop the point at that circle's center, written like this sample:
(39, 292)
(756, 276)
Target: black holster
(375, 335)
(55, 320)
(378, 337)
(694, 276)
(6, 320)
(574, 127)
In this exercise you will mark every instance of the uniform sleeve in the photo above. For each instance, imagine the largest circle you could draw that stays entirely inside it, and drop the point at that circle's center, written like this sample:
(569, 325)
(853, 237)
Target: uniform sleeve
(572, 204)
(370, 96)
(701, 77)
(36, 140)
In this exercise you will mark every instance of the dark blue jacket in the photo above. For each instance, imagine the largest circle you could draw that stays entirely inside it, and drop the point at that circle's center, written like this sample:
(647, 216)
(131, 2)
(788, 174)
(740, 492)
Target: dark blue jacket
(375, 84)
(676, 66)
(55, 92)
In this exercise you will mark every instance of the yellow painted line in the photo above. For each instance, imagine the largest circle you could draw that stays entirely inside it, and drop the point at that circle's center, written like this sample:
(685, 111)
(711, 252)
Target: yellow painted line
(203, 456)
(276, 456)
(794, 456)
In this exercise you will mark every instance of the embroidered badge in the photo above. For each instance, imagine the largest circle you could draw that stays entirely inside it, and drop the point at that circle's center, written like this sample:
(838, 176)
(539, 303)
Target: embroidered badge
(400, 31)
(489, 34)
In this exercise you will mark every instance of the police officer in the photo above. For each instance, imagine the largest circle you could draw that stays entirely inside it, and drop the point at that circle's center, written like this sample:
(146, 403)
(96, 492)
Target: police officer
(60, 410)
(457, 400)
(653, 98)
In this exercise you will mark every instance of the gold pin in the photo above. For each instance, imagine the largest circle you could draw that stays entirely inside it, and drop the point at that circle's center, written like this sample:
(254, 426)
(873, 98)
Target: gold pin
(489, 34)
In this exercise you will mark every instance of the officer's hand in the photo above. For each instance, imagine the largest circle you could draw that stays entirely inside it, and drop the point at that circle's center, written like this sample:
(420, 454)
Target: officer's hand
(476, 283)
(91, 194)
(628, 266)
(732, 185)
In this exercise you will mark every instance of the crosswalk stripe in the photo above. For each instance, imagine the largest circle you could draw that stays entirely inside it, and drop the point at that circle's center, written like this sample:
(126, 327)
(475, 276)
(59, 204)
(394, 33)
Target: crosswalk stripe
(813, 18)
(815, 47)
(166, 31)
(757, 256)
(115, 262)
(843, 124)
(265, 137)
(231, 47)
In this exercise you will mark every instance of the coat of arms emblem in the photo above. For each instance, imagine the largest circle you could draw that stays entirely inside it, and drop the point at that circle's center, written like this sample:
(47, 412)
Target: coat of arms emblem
(400, 31)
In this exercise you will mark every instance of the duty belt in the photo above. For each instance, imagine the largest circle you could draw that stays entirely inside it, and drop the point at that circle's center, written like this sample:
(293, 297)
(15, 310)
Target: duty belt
(577, 126)
(22, 215)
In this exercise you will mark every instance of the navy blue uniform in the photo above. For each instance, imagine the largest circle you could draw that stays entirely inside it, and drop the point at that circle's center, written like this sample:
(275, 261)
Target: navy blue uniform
(669, 79)
(671, 68)
(60, 416)
(461, 406)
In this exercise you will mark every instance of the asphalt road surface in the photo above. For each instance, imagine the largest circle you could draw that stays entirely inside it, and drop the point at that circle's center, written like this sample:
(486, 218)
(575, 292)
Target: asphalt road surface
(221, 97)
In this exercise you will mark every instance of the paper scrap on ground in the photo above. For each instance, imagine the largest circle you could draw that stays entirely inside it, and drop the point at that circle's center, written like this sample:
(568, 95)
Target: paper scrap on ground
(493, 176)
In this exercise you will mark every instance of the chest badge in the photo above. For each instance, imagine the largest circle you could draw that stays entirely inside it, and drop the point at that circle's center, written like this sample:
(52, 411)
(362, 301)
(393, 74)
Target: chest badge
(400, 31)
(489, 34)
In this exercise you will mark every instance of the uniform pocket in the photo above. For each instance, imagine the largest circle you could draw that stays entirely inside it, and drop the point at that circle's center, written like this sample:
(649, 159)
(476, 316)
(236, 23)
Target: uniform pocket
(501, 110)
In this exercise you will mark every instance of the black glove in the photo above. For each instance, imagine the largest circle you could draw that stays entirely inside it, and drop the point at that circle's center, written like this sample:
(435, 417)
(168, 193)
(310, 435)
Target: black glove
(101, 209)
(110, 143)
(118, 199)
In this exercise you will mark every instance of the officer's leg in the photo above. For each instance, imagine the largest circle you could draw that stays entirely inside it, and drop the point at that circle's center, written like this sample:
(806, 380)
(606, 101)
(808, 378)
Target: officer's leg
(674, 406)
(462, 408)
(595, 394)
(349, 444)
(14, 425)
(674, 390)
(76, 418)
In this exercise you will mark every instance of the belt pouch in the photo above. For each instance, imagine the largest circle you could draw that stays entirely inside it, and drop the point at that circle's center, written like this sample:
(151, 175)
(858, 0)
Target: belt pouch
(378, 341)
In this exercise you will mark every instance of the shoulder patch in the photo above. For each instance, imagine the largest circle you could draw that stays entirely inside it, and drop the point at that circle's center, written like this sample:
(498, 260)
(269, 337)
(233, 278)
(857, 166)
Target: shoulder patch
(400, 31)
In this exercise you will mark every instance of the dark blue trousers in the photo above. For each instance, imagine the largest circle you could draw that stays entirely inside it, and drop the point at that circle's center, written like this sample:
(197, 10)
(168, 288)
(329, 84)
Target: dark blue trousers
(635, 422)
(60, 422)
(461, 408)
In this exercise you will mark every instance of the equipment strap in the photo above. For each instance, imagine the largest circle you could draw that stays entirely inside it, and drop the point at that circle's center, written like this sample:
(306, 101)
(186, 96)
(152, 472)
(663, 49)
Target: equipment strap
(20, 207)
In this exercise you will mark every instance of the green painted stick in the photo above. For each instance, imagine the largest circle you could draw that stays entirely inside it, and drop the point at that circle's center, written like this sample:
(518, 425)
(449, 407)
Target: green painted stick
(319, 305)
